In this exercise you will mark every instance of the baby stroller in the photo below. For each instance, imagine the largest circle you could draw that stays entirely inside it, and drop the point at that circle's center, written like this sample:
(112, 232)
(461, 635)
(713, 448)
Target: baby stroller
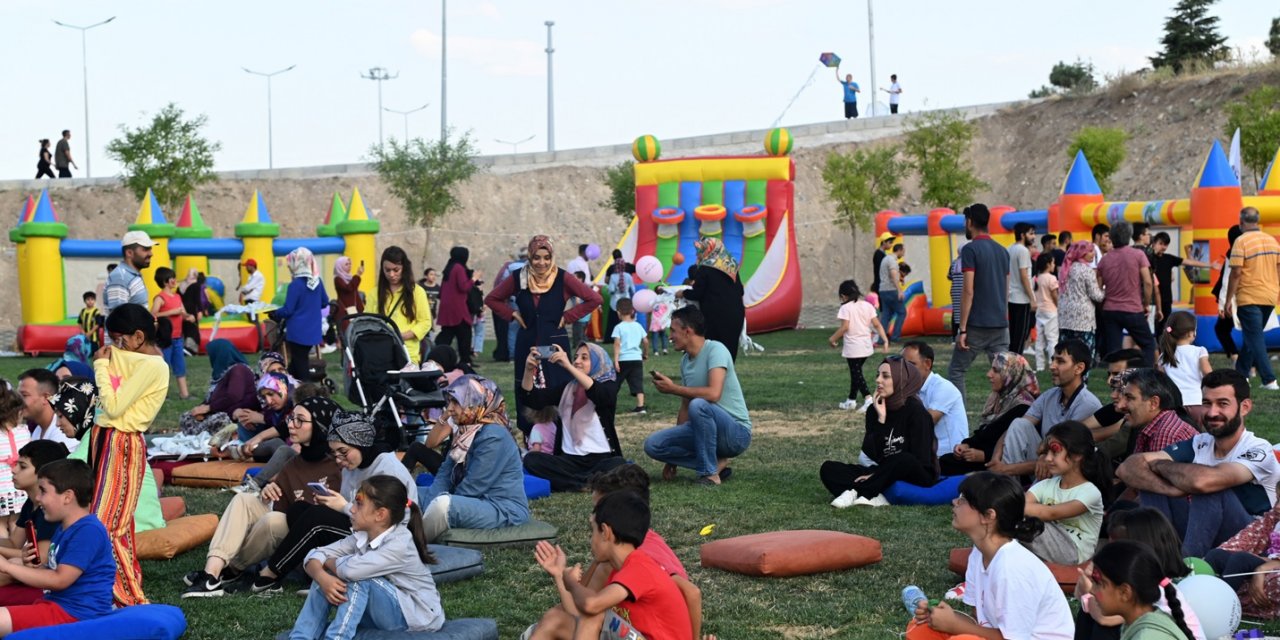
(375, 359)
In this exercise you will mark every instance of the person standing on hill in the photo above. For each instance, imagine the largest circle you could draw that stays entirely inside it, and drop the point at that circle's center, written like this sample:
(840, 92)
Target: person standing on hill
(62, 156)
(44, 164)
(851, 91)
(895, 93)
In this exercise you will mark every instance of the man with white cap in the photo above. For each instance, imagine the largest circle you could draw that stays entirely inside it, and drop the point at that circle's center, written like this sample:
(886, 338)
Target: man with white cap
(125, 283)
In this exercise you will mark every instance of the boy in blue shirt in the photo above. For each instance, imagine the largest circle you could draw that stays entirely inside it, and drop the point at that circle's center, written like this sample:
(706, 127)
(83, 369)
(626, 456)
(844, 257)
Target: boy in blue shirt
(79, 573)
(630, 349)
(851, 91)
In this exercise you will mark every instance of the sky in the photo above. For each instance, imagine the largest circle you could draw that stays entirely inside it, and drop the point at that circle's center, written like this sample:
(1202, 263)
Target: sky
(671, 68)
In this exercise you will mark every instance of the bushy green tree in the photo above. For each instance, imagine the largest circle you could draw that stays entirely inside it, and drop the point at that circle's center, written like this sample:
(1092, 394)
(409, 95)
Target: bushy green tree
(1104, 148)
(1273, 38)
(1191, 35)
(1257, 116)
(937, 144)
(1073, 77)
(621, 181)
(861, 183)
(168, 156)
(424, 174)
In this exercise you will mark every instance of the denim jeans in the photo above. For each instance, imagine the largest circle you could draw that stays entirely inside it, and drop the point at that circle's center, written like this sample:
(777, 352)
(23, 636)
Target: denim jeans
(1111, 328)
(891, 306)
(459, 512)
(711, 433)
(1253, 347)
(1204, 520)
(371, 604)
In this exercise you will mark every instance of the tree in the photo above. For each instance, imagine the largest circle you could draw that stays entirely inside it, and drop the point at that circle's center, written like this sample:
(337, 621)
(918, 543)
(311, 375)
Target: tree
(1073, 77)
(1191, 35)
(862, 183)
(423, 175)
(1104, 148)
(621, 181)
(1257, 116)
(168, 156)
(1273, 38)
(937, 143)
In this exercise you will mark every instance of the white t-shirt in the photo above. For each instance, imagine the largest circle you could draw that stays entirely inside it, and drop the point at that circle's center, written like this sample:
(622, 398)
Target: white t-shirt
(1187, 374)
(1251, 451)
(252, 289)
(1017, 595)
(52, 432)
(895, 90)
(857, 337)
(1019, 261)
(939, 394)
(1083, 528)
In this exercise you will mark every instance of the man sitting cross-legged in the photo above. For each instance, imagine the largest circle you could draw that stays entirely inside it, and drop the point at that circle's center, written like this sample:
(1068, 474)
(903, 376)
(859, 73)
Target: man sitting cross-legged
(1149, 401)
(1212, 485)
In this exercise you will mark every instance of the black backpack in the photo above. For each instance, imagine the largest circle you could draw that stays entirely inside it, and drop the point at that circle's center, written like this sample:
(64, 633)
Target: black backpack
(475, 301)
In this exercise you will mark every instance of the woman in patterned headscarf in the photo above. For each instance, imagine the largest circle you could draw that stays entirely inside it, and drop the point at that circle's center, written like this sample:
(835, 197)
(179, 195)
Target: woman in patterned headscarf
(1013, 389)
(718, 292)
(481, 483)
(302, 312)
(542, 292)
(586, 442)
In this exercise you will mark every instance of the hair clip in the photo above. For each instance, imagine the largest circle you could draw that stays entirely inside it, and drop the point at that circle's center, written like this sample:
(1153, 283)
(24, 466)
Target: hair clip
(1165, 583)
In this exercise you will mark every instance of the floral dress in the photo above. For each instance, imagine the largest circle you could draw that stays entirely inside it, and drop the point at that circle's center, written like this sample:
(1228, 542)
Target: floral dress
(14, 439)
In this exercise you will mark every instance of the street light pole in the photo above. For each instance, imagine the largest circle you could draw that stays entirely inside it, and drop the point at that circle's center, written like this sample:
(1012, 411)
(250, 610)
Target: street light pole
(378, 74)
(84, 62)
(406, 117)
(871, 42)
(271, 161)
(444, 73)
(515, 144)
(551, 101)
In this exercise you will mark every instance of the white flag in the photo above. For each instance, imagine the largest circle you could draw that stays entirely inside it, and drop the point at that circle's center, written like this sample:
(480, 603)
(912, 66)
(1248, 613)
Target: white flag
(1233, 158)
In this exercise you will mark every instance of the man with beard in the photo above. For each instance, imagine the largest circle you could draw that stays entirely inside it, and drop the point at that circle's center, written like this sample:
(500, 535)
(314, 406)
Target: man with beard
(1212, 485)
(1022, 299)
(985, 267)
(125, 283)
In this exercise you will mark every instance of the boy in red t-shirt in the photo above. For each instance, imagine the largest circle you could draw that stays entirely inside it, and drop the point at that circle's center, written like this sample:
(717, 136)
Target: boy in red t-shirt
(639, 600)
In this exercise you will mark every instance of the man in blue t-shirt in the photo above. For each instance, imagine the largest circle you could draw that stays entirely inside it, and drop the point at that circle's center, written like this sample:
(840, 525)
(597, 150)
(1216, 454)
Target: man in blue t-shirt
(985, 267)
(80, 572)
(713, 425)
(851, 91)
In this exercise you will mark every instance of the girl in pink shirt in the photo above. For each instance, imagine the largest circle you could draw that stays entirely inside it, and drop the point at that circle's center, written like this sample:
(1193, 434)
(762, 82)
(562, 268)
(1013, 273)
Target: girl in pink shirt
(1046, 291)
(857, 319)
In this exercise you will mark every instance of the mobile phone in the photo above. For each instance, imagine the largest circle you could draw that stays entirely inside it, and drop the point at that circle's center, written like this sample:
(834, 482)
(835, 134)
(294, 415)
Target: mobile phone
(544, 353)
(31, 537)
(319, 488)
(653, 373)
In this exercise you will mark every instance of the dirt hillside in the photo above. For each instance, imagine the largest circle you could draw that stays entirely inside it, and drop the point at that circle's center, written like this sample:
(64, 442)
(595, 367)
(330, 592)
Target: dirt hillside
(1020, 152)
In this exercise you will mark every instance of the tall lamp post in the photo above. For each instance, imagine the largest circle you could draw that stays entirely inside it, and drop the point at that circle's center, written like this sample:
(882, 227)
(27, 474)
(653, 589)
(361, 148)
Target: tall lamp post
(378, 74)
(871, 43)
(444, 72)
(271, 161)
(84, 61)
(406, 117)
(515, 144)
(551, 102)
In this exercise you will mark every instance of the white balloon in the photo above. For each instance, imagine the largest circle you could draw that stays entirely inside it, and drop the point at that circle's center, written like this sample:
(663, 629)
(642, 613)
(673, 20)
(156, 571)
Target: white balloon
(1215, 603)
(649, 269)
(644, 300)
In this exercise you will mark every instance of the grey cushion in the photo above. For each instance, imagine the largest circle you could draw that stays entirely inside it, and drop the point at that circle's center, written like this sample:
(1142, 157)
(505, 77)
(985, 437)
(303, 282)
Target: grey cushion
(455, 563)
(525, 535)
(456, 629)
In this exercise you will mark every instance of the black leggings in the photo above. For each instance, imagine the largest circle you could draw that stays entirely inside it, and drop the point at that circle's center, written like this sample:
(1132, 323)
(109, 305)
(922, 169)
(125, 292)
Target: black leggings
(857, 382)
(299, 361)
(1222, 329)
(419, 453)
(462, 332)
(43, 170)
(839, 477)
(311, 526)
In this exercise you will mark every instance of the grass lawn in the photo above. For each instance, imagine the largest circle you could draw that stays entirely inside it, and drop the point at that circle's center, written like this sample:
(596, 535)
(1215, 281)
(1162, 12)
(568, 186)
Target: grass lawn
(792, 390)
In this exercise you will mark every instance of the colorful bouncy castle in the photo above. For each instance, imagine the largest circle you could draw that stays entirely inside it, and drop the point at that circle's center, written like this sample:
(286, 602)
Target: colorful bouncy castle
(746, 201)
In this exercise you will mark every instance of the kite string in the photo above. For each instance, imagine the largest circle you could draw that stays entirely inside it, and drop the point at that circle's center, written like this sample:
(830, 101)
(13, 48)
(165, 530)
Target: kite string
(804, 86)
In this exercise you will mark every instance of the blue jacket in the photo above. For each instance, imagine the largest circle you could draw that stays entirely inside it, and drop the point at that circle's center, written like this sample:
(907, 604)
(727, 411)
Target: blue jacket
(301, 313)
(494, 474)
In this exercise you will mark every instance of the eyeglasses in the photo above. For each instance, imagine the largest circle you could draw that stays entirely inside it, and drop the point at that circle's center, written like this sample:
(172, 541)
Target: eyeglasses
(292, 419)
(341, 453)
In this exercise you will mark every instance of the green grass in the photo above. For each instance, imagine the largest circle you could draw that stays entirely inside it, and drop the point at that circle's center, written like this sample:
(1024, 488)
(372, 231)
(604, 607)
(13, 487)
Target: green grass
(792, 390)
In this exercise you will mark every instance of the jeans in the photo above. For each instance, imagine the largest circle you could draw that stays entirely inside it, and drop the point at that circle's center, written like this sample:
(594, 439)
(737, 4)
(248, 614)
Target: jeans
(658, 340)
(710, 434)
(1205, 520)
(176, 358)
(371, 604)
(1112, 324)
(1253, 347)
(980, 340)
(891, 306)
(447, 511)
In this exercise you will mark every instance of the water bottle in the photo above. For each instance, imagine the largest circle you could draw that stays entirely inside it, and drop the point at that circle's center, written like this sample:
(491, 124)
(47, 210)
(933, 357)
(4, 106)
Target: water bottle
(911, 597)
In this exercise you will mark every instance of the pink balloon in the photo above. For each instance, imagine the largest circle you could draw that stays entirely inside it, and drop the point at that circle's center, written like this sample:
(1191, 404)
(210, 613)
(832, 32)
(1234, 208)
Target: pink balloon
(644, 300)
(649, 269)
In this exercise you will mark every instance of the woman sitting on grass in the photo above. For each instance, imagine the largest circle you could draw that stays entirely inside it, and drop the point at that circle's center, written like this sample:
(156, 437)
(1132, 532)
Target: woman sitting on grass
(1013, 389)
(231, 387)
(899, 443)
(262, 432)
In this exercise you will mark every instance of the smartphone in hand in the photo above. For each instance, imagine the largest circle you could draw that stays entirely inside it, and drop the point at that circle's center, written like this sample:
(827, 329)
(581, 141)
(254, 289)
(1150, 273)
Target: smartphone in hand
(31, 537)
(319, 489)
(544, 353)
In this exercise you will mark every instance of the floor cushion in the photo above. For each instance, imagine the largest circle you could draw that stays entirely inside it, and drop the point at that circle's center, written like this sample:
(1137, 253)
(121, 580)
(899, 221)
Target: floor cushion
(903, 493)
(453, 629)
(173, 507)
(141, 622)
(163, 469)
(525, 535)
(1065, 574)
(177, 536)
(454, 563)
(534, 487)
(217, 473)
(791, 553)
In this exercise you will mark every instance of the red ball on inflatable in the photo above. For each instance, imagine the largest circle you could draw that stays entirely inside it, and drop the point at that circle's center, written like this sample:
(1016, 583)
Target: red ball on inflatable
(677, 258)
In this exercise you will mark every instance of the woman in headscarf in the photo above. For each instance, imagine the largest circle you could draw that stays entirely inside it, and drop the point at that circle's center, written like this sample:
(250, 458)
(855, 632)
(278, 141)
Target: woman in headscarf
(328, 519)
(586, 442)
(262, 432)
(443, 357)
(347, 285)
(542, 292)
(403, 301)
(481, 483)
(1013, 389)
(899, 441)
(301, 313)
(231, 387)
(718, 292)
(194, 303)
(455, 316)
(253, 524)
(1078, 293)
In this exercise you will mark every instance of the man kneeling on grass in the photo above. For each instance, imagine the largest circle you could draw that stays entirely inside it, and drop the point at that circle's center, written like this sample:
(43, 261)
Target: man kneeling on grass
(79, 572)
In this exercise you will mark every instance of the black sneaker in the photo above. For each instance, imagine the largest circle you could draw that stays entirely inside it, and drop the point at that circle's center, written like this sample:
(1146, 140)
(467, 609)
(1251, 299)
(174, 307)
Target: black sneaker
(639, 411)
(192, 577)
(204, 586)
(264, 585)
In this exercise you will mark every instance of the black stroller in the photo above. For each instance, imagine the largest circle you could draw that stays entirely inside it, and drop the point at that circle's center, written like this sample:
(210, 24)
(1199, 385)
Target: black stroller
(374, 359)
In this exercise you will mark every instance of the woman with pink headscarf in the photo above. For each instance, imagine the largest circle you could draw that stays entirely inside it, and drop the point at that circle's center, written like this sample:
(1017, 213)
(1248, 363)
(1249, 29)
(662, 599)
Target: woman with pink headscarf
(301, 312)
(347, 285)
(1078, 292)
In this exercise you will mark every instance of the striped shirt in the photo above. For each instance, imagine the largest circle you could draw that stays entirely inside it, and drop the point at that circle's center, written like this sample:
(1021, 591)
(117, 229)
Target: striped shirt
(124, 285)
(1255, 265)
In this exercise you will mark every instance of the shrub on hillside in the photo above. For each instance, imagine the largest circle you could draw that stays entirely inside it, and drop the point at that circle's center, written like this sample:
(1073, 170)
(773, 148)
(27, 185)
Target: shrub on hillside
(1104, 148)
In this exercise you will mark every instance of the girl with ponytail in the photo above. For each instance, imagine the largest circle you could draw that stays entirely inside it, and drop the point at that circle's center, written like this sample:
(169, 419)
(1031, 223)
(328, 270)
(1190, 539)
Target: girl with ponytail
(1071, 501)
(1127, 580)
(1012, 591)
(1185, 363)
(385, 586)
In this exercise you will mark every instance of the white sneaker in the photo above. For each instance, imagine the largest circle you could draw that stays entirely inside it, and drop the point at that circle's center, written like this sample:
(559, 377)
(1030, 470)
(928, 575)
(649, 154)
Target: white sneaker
(846, 499)
(878, 501)
(863, 502)
(328, 348)
(866, 403)
(848, 404)
(1272, 386)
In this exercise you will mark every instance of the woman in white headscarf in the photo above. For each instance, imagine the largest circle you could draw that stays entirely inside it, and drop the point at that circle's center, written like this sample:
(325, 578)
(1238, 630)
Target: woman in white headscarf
(301, 312)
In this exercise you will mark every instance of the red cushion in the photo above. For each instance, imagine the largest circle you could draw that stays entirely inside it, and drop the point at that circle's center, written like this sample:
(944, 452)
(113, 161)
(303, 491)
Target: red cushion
(791, 553)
